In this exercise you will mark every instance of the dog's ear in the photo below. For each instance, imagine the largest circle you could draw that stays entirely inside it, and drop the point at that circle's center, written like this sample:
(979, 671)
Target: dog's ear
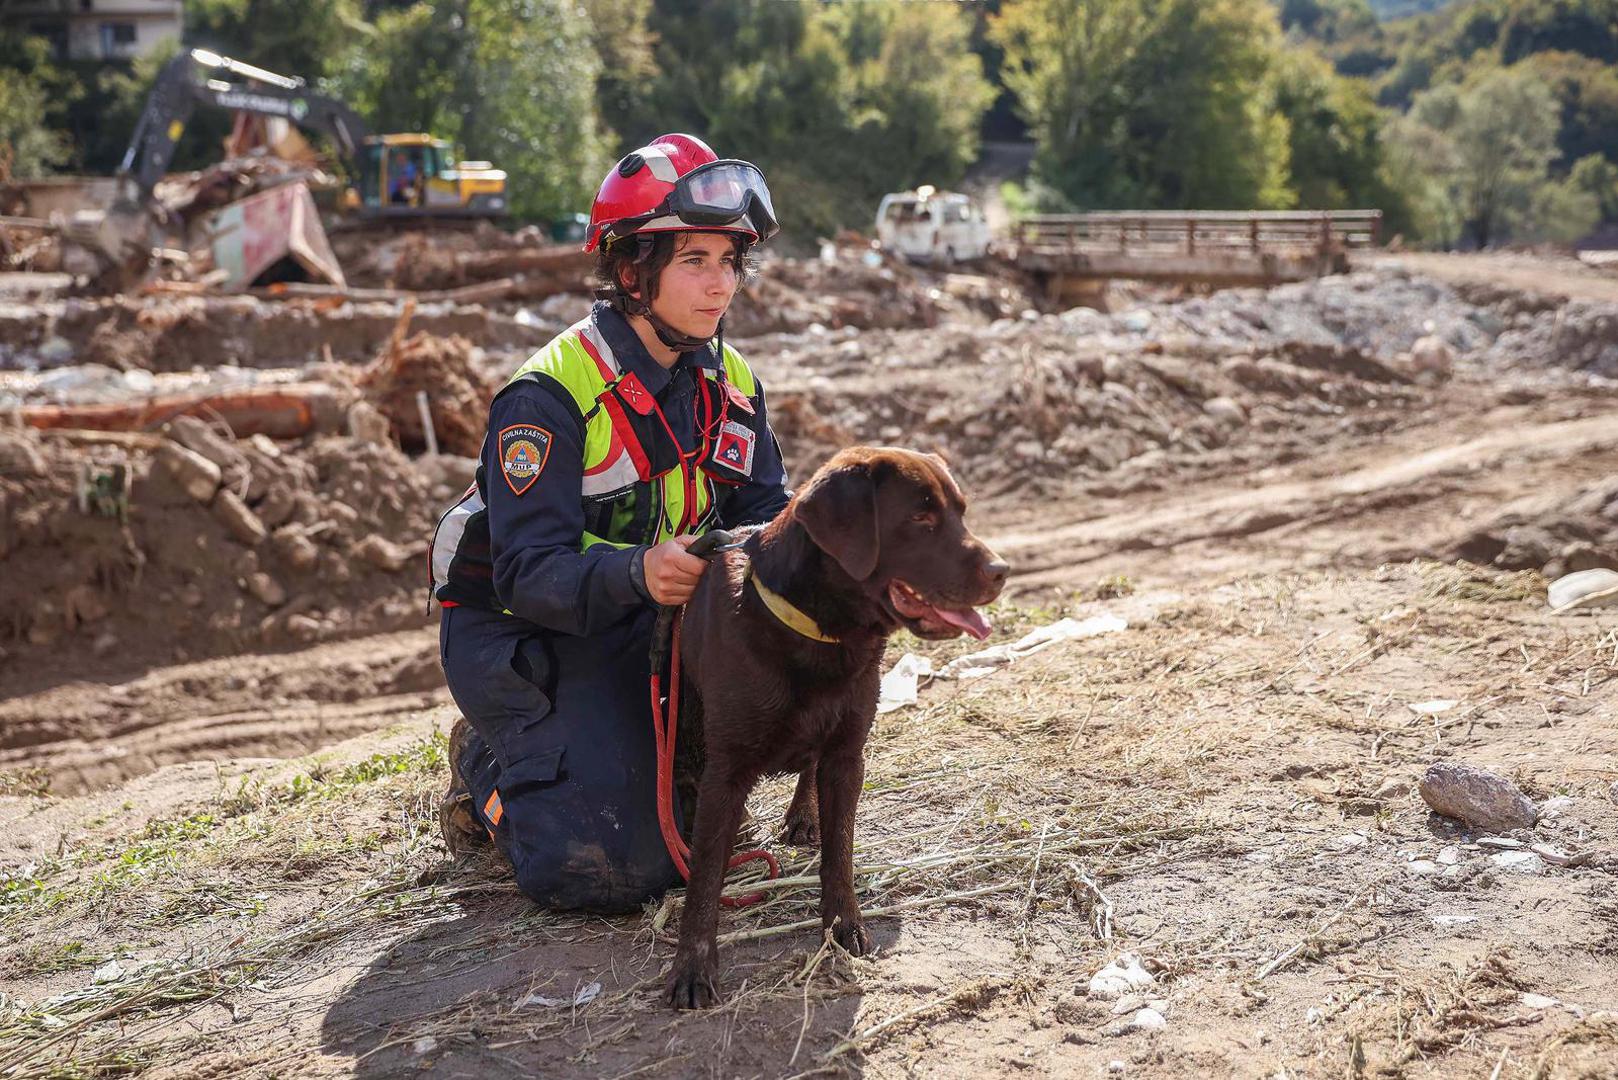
(838, 511)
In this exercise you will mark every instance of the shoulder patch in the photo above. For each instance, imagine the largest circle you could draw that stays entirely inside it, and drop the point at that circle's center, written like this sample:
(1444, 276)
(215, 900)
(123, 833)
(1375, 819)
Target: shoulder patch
(523, 451)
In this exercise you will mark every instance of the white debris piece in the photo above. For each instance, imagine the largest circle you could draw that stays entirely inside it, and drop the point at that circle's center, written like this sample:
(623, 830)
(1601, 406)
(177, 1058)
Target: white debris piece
(901, 684)
(1433, 708)
(1120, 977)
(582, 996)
(1539, 1001)
(1587, 588)
(987, 661)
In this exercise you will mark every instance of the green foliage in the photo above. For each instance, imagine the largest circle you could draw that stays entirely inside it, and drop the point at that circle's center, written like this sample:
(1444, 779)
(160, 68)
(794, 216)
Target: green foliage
(1327, 20)
(302, 38)
(1487, 148)
(1586, 92)
(838, 103)
(1163, 103)
(1598, 177)
(511, 81)
(32, 92)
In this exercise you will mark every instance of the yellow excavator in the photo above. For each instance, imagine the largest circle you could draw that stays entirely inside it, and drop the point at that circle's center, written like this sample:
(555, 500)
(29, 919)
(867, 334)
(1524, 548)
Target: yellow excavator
(412, 175)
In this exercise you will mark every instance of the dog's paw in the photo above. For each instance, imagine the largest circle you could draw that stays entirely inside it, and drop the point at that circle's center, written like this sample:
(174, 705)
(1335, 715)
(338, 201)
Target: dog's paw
(850, 934)
(801, 830)
(692, 986)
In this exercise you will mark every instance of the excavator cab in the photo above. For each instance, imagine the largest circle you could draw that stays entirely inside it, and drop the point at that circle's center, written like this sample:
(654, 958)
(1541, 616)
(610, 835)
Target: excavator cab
(416, 175)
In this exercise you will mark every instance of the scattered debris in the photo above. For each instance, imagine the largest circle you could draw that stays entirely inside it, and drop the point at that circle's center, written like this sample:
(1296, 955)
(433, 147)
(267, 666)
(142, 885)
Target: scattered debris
(1123, 974)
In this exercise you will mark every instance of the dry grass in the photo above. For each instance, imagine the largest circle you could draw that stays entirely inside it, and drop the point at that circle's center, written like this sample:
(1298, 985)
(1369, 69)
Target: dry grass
(1049, 803)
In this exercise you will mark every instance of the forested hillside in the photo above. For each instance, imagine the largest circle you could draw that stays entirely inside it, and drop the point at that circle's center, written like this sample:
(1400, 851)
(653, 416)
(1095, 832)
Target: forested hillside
(1483, 122)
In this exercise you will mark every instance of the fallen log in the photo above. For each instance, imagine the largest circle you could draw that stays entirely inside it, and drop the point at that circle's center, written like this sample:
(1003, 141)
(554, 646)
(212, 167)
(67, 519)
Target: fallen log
(285, 411)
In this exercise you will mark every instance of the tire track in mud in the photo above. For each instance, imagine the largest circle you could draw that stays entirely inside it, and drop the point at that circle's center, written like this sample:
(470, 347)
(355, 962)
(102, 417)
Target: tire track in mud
(87, 735)
(1403, 477)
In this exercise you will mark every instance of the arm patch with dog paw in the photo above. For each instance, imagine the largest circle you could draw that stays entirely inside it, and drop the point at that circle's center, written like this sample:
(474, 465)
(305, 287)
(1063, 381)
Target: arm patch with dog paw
(523, 450)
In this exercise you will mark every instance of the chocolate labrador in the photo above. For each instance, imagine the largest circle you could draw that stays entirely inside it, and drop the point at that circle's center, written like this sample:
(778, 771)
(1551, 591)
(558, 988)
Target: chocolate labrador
(782, 649)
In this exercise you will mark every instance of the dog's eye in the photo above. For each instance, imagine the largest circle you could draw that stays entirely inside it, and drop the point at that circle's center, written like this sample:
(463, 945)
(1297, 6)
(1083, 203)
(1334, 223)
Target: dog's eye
(924, 517)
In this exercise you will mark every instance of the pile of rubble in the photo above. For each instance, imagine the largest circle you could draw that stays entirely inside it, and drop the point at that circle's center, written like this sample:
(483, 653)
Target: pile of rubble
(156, 547)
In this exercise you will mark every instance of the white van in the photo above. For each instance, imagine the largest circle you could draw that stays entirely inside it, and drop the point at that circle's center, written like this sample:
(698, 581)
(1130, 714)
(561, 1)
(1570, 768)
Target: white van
(932, 226)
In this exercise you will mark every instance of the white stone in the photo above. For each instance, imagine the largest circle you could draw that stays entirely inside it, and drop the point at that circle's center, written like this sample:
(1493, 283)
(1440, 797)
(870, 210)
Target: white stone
(1539, 1001)
(1450, 856)
(1556, 807)
(1421, 867)
(1148, 1020)
(1504, 843)
(1120, 977)
(1449, 921)
(1519, 862)
(1349, 841)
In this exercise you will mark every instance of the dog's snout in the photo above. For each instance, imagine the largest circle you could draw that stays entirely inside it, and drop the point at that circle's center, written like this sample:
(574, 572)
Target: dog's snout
(995, 572)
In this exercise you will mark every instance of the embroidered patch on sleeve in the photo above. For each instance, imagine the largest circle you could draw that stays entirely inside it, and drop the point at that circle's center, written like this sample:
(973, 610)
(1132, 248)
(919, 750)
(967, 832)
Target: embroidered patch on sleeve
(736, 447)
(523, 450)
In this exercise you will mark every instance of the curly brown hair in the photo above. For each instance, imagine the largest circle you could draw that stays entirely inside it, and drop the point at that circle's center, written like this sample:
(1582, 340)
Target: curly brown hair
(642, 260)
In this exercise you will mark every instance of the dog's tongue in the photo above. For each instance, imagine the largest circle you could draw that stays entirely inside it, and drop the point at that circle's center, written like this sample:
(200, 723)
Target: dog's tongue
(968, 620)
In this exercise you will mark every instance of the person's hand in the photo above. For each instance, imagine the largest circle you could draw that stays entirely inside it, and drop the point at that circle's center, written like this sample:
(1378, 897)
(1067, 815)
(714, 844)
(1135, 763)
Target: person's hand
(671, 573)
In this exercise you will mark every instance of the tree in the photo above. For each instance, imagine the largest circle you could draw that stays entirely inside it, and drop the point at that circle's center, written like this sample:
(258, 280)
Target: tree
(32, 93)
(509, 80)
(1501, 134)
(1597, 177)
(1149, 102)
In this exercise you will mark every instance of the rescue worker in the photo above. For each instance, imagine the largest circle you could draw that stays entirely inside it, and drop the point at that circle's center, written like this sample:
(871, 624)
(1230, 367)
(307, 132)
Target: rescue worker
(607, 453)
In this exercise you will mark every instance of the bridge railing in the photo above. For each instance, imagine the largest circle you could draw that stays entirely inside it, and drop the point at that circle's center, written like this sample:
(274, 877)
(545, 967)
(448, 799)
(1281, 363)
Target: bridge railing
(1326, 232)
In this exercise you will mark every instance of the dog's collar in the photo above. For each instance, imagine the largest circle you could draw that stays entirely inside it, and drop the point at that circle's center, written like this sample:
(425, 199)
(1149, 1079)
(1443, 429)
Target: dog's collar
(789, 614)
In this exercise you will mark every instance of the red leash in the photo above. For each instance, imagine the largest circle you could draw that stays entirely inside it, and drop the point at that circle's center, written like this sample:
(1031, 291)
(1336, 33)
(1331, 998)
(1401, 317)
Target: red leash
(665, 729)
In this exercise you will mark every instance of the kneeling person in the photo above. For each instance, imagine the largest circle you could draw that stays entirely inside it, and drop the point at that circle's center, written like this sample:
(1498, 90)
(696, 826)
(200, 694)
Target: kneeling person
(607, 453)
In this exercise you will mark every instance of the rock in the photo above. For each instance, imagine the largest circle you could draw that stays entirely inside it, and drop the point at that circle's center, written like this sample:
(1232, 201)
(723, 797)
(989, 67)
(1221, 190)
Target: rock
(105, 645)
(195, 474)
(266, 590)
(382, 553)
(195, 435)
(277, 506)
(243, 524)
(1518, 862)
(1432, 355)
(191, 595)
(1120, 977)
(1148, 1020)
(1580, 555)
(1538, 1001)
(1422, 867)
(295, 549)
(367, 424)
(303, 628)
(1476, 796)
(1556, 806)
(1225, 410)
(1585, 589)
(1394, 787)
(84, 604)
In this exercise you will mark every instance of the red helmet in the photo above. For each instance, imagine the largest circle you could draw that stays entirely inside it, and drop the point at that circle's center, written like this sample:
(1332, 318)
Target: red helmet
(678, 184)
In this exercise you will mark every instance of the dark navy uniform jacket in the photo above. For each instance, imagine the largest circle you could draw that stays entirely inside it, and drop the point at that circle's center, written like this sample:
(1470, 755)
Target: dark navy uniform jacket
(540, 574)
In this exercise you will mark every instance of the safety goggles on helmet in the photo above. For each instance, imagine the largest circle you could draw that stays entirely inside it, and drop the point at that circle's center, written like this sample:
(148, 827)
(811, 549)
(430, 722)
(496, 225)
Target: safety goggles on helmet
(718, 195)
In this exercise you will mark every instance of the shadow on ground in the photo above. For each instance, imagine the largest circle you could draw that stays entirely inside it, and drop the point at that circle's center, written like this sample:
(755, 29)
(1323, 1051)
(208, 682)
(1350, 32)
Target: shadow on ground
(444, 1002)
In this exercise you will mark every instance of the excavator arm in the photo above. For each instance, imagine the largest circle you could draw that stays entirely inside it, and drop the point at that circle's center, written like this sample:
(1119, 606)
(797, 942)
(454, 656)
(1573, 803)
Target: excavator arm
(198, 75)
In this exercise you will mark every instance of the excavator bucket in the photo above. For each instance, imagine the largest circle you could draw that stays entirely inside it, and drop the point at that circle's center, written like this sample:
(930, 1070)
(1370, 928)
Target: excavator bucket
(274, 235)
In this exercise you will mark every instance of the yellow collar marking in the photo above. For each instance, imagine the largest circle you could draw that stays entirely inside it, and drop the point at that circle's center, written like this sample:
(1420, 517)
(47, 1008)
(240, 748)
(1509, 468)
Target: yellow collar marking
(787, 612)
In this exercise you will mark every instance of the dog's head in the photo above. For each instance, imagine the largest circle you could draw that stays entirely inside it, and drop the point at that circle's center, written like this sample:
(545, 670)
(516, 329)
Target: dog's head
(894, 521)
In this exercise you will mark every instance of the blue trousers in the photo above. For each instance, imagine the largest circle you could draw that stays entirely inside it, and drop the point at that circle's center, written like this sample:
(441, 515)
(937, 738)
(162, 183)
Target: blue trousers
(563, 767)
